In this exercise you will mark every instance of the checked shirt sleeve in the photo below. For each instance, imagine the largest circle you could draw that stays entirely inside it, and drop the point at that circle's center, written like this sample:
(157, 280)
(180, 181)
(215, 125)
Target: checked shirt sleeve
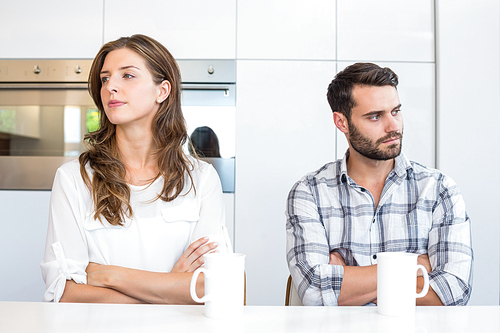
(450, 250)
(308, 255)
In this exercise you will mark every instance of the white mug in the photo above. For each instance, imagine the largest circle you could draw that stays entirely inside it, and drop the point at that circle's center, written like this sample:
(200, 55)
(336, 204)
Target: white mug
(397, 283)
(224, 285)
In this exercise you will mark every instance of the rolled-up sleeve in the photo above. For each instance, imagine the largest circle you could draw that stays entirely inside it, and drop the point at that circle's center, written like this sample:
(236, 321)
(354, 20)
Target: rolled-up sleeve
(450, 247)
(308, 253)
(66, 255)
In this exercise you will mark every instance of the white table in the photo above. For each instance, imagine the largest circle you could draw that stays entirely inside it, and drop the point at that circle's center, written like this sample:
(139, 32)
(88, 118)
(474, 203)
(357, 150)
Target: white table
(21, 317)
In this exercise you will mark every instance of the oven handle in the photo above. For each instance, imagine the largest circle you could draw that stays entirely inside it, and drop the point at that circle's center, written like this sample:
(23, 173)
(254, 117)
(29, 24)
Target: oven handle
(43, 85)
(48, 85)
(190, 86)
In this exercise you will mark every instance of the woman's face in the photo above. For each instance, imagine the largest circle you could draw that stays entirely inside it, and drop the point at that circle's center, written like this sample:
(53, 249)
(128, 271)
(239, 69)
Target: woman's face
(128, 93)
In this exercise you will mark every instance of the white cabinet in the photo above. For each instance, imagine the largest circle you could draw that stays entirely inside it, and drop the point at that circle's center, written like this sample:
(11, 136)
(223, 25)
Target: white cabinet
(284, 129)
(284, 29)
(50, 29)
(189, 29)
(23, 220)
(385, 30)
(469, 127)
(417, 95)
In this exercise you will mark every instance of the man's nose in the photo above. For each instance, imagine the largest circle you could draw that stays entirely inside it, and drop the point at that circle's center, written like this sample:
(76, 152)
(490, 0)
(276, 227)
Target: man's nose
(392, 124)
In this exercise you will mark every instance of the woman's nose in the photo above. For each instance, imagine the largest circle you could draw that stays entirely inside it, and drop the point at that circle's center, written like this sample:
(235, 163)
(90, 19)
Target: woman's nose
(112, 86)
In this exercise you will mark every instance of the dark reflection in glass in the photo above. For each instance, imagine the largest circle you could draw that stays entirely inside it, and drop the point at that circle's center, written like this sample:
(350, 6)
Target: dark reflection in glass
(205, 142)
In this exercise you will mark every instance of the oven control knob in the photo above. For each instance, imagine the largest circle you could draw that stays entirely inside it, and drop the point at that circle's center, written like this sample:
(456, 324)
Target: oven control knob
(210, 70)
(36, 70)
(78, 69)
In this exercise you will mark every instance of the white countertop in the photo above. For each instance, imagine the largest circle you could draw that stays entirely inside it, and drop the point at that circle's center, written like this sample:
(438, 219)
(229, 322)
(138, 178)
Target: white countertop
(30, 317)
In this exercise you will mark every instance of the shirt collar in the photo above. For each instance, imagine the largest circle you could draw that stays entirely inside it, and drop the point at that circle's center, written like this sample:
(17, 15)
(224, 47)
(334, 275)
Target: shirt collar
(402, 166)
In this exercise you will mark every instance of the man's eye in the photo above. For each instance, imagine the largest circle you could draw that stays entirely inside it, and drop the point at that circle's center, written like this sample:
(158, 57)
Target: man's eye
(375, 117)
(396, 112)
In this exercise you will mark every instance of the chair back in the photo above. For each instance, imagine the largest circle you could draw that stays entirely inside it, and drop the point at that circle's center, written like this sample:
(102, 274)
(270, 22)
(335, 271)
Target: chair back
(292, 296)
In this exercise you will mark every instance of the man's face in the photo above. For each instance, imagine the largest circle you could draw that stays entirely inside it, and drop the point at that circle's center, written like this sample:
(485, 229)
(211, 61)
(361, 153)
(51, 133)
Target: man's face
(376, 125)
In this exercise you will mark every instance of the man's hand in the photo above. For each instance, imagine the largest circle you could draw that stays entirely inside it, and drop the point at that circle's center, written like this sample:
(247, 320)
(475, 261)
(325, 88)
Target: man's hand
(423, 260)
(336, 259)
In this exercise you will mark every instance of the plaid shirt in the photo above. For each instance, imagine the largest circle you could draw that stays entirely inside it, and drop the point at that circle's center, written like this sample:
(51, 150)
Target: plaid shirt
(420, 211)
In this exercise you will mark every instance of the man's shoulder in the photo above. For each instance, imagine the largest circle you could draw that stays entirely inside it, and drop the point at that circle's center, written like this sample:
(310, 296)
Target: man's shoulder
(422, 173)
(328, 173)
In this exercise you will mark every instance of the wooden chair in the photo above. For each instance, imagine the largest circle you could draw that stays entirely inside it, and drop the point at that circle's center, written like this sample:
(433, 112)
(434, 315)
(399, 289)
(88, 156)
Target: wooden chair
(292, 296)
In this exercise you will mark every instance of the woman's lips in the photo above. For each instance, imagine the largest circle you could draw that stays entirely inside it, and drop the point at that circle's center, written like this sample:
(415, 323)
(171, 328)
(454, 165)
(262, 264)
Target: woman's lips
(115, 103)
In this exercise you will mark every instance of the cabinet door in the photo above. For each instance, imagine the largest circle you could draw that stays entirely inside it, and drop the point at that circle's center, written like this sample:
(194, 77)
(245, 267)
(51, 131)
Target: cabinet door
(191, 29)
(50, 29)
(417, 95)
(22, 244)
(284, 129)
(385, 30)
(469, 127)
(284, 29)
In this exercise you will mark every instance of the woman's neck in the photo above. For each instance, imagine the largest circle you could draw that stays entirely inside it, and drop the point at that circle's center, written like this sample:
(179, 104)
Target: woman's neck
(137, 152)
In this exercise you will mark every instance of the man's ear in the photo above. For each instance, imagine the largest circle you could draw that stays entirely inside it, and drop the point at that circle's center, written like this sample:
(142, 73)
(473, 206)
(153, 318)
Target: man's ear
(163, 91)
(341, 122)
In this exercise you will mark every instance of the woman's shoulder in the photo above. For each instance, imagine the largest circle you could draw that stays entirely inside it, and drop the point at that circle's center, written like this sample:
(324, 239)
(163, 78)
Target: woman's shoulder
(199, 166)
(202, 172)
(71, 169)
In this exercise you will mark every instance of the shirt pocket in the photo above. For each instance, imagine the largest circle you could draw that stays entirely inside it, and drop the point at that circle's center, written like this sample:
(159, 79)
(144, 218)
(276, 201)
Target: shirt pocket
(409, 232)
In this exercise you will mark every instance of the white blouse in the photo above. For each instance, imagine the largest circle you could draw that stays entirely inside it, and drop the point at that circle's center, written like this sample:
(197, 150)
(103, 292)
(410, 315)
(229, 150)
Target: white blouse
(153, 240)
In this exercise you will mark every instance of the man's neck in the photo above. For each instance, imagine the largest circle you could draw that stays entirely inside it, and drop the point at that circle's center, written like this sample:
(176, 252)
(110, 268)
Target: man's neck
(368, 173)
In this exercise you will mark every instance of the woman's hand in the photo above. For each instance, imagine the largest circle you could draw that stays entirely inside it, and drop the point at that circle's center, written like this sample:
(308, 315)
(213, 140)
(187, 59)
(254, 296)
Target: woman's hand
(192, 258)
(101, 275)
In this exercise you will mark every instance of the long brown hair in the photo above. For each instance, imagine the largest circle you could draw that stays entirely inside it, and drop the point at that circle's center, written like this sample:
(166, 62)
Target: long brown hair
(110, 192)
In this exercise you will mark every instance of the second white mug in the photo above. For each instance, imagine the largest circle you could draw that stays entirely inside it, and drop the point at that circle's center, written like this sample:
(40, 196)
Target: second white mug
(397, 283)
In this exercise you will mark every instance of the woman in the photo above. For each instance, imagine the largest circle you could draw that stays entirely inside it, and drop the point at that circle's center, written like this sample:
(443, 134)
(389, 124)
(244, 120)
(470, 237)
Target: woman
(129, 221)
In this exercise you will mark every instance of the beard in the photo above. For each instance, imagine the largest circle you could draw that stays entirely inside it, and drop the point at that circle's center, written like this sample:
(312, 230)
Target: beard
(370, 149)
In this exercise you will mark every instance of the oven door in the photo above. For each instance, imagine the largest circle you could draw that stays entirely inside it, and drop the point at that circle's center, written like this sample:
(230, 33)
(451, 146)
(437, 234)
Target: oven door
(42, 126)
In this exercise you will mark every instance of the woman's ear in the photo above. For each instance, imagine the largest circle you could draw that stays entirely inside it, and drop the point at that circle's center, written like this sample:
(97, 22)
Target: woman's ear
(163, 91)
(341, 122)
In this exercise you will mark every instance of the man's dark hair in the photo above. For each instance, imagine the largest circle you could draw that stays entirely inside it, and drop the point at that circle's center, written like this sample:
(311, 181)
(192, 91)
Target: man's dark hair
(365, 74)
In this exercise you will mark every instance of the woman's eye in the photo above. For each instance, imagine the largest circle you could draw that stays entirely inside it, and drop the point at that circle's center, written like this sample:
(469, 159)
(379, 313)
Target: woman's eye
(104, 79)
(128, 76)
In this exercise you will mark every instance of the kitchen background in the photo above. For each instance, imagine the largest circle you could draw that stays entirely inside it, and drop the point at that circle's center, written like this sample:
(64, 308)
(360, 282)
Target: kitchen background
(446, 53)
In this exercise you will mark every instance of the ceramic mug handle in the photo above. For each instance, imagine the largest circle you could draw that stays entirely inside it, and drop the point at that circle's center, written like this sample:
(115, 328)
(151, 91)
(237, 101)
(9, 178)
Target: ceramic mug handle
(425, 289)
(192, 287)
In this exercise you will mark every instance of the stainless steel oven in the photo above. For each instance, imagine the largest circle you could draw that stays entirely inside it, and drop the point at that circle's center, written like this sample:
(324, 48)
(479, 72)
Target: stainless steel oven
(45, 110)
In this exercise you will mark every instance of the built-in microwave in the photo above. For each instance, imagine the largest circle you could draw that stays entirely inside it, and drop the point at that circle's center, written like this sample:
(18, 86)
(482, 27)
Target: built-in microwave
(45, 110)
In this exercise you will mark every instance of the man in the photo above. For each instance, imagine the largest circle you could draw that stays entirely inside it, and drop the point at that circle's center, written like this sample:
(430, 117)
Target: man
(374, 200)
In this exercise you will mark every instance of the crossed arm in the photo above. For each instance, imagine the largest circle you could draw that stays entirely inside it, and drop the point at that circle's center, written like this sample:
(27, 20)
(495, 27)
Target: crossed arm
(115, 284)
(359, 284)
